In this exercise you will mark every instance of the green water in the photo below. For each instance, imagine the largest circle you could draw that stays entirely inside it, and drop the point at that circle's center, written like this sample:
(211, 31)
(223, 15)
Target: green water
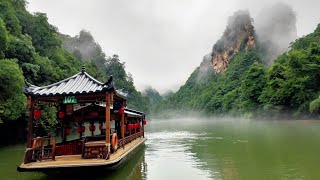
(210, 149)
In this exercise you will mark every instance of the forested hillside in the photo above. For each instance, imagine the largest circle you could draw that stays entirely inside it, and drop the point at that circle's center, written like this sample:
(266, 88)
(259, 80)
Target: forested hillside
(31, 49)
(84, 47)
(236, 80)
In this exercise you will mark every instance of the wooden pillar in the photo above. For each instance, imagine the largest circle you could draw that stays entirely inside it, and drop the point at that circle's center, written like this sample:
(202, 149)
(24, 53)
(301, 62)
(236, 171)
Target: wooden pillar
(30, 121)
(122, 127)
(108, 117)
(54, 149)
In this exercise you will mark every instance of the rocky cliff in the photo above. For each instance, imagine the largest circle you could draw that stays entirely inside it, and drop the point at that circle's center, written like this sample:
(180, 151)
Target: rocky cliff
(272, 33)
(239, 35)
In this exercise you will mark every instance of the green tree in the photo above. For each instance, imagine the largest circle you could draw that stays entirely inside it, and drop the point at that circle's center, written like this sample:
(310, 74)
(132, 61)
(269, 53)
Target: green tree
(20, 48)
(314, 106)
(4, 40)
(124, 82)
(12, 100)
(44, 35)
(252, 84)
(48, 120)
(8, 15)
(152, 95)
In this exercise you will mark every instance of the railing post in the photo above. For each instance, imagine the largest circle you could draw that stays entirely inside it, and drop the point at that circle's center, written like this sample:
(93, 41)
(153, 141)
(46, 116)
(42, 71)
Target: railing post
(30, 103)
(54, 148)
(27, 156)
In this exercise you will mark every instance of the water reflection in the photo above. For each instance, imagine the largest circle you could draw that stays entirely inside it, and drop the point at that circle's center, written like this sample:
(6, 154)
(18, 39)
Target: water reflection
(169, 156)
(134, 169)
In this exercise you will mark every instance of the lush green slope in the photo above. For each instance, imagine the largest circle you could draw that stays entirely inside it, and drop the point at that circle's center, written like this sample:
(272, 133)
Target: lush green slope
(85, 48)
(32, 49)
(248, 87)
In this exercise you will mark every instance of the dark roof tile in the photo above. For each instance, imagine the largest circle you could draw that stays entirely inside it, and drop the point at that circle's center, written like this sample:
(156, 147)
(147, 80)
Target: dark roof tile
(81, 83)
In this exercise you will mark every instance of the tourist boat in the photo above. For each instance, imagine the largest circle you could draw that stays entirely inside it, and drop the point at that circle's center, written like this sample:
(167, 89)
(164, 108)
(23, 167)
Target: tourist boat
(105, 132)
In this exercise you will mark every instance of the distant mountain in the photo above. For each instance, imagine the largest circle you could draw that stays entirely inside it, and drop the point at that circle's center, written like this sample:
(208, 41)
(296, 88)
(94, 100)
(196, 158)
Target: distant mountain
(246, 73)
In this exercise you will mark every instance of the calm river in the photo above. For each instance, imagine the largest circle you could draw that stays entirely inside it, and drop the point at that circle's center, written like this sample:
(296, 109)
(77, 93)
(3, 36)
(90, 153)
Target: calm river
(209, 149)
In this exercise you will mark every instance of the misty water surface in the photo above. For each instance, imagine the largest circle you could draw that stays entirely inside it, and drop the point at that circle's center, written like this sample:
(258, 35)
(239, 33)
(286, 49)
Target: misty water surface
(210, 149)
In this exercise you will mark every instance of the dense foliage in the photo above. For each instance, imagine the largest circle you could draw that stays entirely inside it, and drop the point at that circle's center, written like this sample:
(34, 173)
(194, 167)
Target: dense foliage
(12, 100)
(48, 123)
(85, 48)
(288, 88)
(32, 49)
(124, 82)
(152, 95)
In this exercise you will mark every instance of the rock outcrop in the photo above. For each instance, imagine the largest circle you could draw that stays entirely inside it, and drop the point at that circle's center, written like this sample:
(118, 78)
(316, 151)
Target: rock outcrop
(237, 36)
(275, 28)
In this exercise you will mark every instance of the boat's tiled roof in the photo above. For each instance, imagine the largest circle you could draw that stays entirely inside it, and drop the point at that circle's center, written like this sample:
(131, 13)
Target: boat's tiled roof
(80, 83)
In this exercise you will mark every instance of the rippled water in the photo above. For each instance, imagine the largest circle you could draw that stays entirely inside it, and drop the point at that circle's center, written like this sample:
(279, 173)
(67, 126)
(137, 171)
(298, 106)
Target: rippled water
(211, 149)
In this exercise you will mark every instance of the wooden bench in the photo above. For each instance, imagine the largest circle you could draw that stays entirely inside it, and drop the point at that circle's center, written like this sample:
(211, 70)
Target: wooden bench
(95, 149)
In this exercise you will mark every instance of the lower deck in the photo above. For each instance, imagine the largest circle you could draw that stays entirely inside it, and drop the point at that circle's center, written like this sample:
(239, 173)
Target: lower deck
(78, 161)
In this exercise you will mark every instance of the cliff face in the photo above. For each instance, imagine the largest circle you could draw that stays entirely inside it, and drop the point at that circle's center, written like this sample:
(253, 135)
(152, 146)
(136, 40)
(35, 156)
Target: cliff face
(274, 29)
(237, 36)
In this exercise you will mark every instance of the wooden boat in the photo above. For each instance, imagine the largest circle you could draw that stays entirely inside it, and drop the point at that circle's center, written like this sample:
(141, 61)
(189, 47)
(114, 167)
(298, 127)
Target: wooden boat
(84, 103)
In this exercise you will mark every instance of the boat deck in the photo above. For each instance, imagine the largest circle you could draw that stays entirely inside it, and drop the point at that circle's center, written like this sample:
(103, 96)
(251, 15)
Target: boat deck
(77, 161)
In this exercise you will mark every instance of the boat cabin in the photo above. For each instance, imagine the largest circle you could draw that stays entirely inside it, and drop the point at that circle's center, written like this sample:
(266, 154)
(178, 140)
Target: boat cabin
(93, 128)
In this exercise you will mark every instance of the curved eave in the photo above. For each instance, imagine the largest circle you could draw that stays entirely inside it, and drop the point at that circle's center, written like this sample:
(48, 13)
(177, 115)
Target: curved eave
(65, 94)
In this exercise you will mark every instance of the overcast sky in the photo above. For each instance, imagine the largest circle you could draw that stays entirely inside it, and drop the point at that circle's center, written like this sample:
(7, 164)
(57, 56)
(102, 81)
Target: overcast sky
(161, 41)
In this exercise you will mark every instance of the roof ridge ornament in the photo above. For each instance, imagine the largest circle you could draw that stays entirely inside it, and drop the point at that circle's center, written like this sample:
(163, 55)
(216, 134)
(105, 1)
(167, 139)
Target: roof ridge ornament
(83, 69)
(109, 80)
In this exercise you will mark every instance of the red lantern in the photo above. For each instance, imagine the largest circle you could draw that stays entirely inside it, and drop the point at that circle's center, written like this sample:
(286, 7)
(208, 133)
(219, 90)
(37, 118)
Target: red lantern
(67, 131)
(92, 128)
(144, 122)
(100, 127)
(135, 125)
(130, 126)
(37, 113)
(61, 115)
(121, 111)
(79, 130)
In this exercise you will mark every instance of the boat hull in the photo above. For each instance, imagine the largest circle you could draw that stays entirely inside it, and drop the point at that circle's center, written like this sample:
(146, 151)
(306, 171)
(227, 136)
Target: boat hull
(85, 167)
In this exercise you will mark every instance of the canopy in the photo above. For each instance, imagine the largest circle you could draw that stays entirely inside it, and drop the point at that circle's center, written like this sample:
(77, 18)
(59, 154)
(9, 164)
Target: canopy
(78, 84)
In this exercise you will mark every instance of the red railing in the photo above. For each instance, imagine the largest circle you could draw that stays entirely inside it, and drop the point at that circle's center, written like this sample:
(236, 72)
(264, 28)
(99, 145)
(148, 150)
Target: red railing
(69, 149)
(128, 139)
(39, 151)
